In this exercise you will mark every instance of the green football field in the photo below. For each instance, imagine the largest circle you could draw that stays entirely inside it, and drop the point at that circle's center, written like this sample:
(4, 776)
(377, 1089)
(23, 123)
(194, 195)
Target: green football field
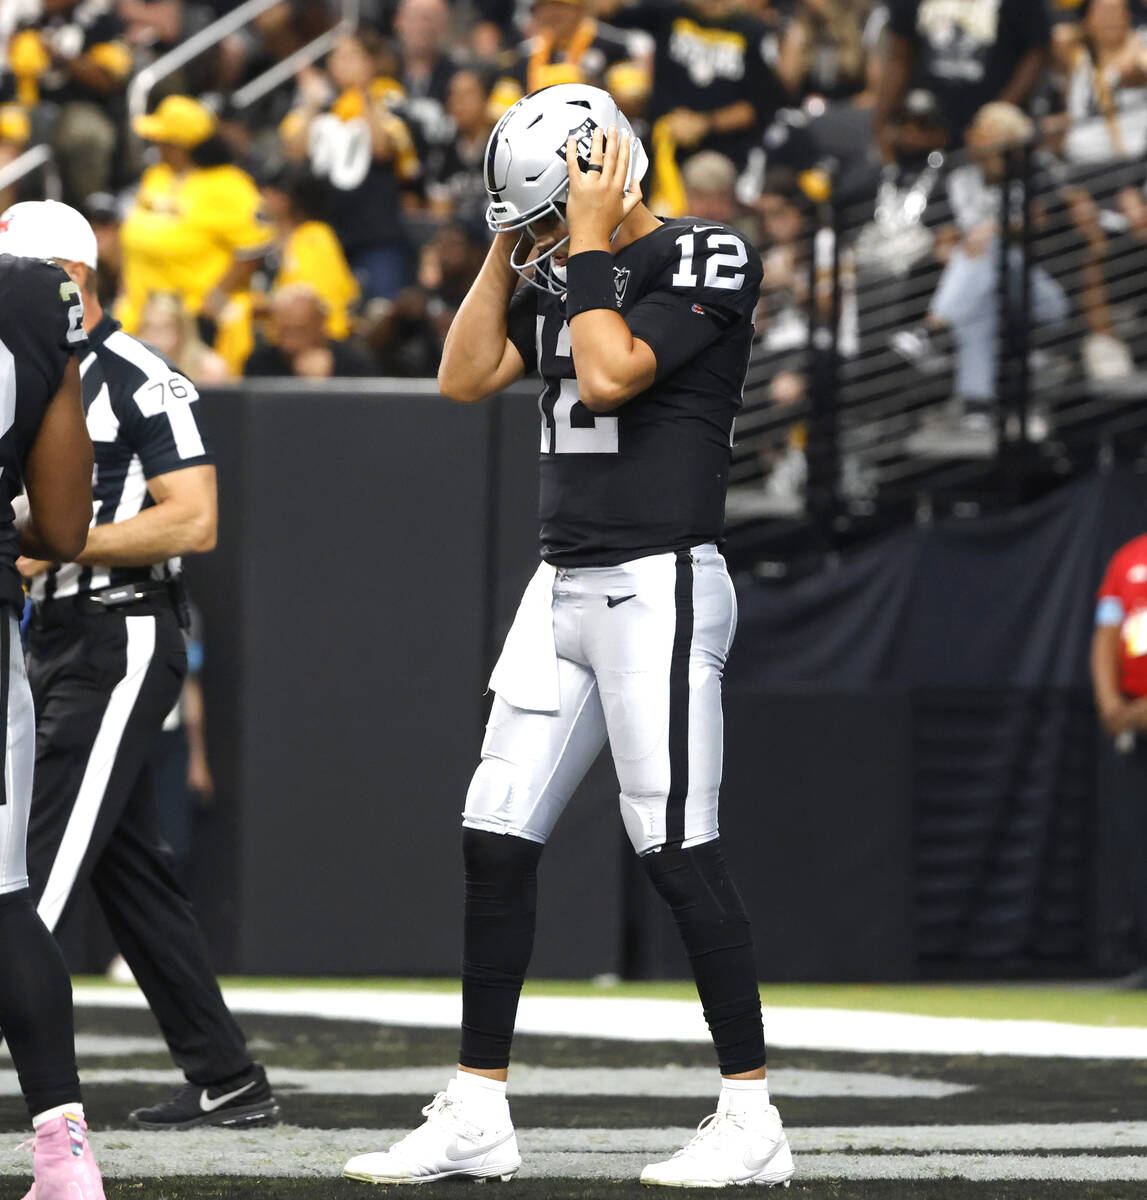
(591, 1110)
(1080, 1003)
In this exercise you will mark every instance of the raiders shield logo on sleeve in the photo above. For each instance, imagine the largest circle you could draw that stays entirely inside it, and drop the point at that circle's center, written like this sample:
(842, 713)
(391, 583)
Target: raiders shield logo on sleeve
(620, 283)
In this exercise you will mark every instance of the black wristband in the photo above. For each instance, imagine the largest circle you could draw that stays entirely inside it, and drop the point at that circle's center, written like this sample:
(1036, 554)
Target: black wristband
(589, 282)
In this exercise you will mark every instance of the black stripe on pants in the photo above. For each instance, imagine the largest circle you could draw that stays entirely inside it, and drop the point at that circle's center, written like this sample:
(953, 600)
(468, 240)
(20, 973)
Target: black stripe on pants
(100, 703)
(679, 704)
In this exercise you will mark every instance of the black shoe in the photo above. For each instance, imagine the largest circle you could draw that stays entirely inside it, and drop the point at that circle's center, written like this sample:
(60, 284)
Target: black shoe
(240, 1101)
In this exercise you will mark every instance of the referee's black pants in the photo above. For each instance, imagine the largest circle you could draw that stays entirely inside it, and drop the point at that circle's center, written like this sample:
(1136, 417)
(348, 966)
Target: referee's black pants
(103, 683)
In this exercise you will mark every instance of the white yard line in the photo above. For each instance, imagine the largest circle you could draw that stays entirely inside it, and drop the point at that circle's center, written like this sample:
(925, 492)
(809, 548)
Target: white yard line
(620, 1154)
(660, 1082)
(1077, 1169)
(630, 1019)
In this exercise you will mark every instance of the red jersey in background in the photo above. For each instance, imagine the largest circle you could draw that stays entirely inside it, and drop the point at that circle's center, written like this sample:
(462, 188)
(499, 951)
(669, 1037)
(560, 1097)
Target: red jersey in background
(1123, 602)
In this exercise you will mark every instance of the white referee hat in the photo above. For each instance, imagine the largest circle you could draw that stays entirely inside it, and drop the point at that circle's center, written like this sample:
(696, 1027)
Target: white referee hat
(47, 229)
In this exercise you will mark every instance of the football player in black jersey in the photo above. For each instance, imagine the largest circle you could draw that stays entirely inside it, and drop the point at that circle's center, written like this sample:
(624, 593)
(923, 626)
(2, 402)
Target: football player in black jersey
(44, 445)
(640, 330)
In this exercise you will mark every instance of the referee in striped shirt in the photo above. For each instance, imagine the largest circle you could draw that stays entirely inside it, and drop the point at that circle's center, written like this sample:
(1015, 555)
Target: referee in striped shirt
(106, 664)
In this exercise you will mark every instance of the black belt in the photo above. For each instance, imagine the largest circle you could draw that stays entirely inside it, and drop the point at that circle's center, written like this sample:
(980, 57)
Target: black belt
(142, 597)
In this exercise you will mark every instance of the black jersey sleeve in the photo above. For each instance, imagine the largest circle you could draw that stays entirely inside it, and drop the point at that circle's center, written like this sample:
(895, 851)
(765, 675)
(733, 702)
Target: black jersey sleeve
(522, 324)
(41, 318)
(710, 283)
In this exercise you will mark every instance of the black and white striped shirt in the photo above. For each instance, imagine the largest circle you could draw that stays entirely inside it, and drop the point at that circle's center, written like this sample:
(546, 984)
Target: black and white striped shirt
(143, 420)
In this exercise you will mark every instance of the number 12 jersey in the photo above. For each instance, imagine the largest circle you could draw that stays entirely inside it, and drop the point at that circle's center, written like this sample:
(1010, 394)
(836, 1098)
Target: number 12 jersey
(651, 476)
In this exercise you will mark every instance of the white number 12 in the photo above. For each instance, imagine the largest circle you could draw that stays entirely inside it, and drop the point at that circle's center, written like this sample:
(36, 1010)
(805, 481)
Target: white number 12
(593, 434)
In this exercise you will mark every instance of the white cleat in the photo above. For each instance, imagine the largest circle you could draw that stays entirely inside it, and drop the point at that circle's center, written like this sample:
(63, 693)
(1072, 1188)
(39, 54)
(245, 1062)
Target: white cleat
(729, 1151)
(454, 1140)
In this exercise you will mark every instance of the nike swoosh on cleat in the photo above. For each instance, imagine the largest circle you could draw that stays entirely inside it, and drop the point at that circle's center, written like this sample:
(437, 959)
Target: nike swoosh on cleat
(614, 601)
(758, 1164)
(454, 1155)
(209, 1105)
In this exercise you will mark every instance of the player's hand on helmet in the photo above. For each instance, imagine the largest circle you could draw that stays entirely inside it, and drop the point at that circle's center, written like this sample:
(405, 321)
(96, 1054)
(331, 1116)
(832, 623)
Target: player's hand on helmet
(598, 200)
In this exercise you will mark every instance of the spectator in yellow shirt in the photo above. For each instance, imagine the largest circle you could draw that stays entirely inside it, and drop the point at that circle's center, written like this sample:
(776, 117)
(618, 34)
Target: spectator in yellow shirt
(305, 250)
(196, 229)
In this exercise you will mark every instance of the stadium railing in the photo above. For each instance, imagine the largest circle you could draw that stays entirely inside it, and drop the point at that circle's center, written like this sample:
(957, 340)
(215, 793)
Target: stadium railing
(864, 437)
(199, 43)
(36, 158)
(284, 70)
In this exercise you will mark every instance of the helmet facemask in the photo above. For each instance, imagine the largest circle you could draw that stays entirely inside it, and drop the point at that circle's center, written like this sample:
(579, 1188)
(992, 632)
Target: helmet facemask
(540, 271)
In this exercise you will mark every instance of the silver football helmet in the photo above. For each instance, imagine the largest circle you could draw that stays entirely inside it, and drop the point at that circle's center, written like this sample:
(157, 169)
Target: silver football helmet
(526, 175)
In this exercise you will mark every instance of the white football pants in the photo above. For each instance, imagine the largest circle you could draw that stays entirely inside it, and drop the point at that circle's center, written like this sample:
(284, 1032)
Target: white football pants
(641, 649)
(19, 758)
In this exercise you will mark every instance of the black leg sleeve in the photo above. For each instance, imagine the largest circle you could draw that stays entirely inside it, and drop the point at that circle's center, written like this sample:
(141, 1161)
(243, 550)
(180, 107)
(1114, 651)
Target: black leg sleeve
(711, 919)
(501, 908)
(36, 1006)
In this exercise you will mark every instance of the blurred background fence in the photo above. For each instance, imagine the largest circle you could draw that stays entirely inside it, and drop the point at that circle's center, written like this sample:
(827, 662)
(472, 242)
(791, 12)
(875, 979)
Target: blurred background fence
(912, 370)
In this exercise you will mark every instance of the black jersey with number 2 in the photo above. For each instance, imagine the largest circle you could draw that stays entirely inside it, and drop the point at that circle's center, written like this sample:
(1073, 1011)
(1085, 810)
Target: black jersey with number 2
(651, 476)
(41, 325)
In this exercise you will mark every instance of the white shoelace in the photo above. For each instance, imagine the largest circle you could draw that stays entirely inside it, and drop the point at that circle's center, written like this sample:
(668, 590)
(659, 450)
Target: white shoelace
(714, 1130)
(444, 1110)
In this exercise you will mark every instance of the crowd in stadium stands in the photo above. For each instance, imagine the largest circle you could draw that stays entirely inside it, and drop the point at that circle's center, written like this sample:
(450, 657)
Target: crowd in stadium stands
(331, 226)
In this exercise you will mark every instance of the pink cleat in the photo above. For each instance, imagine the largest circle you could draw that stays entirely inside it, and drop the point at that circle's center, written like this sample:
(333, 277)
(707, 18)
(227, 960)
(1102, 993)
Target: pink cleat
(65, 1167)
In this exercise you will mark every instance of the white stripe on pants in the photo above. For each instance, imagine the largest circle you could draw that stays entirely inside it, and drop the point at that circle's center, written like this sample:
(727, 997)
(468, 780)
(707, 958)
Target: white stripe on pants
(19, 761)
(82, 821)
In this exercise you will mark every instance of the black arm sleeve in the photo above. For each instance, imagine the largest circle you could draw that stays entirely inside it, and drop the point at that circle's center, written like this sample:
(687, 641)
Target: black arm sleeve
(522, 325)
